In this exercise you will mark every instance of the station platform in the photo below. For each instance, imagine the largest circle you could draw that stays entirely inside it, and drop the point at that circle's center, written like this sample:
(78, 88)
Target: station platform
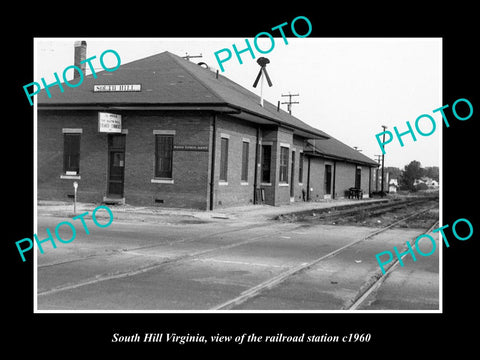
(245, 212)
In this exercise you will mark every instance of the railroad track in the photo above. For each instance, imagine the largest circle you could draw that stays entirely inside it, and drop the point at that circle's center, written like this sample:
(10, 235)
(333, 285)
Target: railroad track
(275, 281)
(184, 240)
(378, 279)
(164, 262)
(371, 209)
(246, 295)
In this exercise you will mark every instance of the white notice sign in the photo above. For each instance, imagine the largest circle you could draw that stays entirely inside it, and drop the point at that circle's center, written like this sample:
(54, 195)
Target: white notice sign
(109, 123)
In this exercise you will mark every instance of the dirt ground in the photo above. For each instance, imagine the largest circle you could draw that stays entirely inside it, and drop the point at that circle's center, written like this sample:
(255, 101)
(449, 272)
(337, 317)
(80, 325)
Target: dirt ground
(365, 218)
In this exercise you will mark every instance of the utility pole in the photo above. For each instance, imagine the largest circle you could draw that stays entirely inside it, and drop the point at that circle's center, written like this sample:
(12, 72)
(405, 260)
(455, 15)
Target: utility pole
(290, 102)
(376, 172)
(188, 57)
(383, 157)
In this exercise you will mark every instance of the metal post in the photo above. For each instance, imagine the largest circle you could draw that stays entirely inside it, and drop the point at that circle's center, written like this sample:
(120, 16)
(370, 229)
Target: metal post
(261, 89)
(263, 72)
(383, 158)
(75, 186)
(308, 180)
(376, 172)
(256, 198)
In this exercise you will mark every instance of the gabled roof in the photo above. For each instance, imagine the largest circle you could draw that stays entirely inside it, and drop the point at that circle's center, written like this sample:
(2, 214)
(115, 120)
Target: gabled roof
(168, 80)
(335, 149)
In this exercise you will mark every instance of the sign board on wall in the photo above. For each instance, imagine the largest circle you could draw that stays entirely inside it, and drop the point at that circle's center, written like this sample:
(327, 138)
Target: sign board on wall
(117, 88)
(109, 123)
(190, 147)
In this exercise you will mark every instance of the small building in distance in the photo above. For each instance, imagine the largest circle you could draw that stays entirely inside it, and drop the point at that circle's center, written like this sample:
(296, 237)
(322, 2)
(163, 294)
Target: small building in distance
(428, 182)
(393, 186)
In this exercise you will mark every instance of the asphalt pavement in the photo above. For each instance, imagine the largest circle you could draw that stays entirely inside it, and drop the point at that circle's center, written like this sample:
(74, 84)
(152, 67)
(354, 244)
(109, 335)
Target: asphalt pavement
(158, 260)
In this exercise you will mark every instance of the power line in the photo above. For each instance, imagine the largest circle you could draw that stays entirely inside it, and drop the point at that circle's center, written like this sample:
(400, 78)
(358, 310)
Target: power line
(188, 57)
(290, 102)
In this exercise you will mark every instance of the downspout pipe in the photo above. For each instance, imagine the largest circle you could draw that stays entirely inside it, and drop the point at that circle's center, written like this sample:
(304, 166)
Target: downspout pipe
(255, 171)
(212, 167)
(369, 181)
(308, 179)
(334, 177)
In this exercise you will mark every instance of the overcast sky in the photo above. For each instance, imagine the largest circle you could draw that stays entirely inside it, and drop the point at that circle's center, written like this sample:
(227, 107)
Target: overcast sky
(348, 87)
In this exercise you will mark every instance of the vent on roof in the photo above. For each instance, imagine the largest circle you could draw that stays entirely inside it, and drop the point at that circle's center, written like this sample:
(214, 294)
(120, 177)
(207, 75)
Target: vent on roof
(205, 66)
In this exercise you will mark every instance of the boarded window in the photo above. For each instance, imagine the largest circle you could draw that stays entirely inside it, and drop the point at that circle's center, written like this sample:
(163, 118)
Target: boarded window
(71, 154)
(266, 162)
(358, 178)
(163, 156)
(300, 169)
(223, 159)
(328, 179)
(284, 164)
(245, 161)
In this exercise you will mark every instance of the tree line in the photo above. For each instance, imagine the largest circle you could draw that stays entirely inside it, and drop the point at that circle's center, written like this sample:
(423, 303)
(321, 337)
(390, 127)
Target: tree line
(411, 172)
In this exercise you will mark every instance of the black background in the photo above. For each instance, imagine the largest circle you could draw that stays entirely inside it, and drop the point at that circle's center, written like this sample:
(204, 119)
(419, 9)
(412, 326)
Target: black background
(392, 333)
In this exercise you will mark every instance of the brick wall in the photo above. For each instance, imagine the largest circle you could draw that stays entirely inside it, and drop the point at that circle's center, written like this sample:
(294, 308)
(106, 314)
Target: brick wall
(317, 178)
(298, 144)
(269, 136)
(190, 168)
(345, 178)
(93, 156)
(282, 195)
(235, 191)
(365, 180)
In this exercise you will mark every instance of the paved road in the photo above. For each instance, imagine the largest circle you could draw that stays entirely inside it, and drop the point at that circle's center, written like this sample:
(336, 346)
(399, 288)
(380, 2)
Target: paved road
(415, 286)
(181, 266)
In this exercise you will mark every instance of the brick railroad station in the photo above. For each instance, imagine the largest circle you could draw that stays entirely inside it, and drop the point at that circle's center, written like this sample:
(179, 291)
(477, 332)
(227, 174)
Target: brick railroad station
(165, 131)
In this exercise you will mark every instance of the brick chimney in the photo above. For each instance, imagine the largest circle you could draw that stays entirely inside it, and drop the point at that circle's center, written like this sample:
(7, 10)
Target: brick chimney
(80, 55)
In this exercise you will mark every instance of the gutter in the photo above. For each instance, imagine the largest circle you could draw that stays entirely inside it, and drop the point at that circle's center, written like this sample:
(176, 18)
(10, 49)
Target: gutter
(220, 107)
(333, 157)
(212, 167)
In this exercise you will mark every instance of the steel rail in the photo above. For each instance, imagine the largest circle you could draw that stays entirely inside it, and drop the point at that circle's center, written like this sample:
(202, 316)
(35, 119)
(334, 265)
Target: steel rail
(268, 284)
(185, 257)
(381, 277)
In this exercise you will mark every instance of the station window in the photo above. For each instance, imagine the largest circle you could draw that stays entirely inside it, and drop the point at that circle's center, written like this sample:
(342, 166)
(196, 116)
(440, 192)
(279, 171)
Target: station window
(71, 153)
(163, 156)
(300, 168)
(284, 164)
(245, 161)
(266, 162)
(223, 159)
(358, 177)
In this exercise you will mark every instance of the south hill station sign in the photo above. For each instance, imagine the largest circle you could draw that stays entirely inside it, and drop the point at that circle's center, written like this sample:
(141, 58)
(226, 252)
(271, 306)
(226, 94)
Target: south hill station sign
(117, 88)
